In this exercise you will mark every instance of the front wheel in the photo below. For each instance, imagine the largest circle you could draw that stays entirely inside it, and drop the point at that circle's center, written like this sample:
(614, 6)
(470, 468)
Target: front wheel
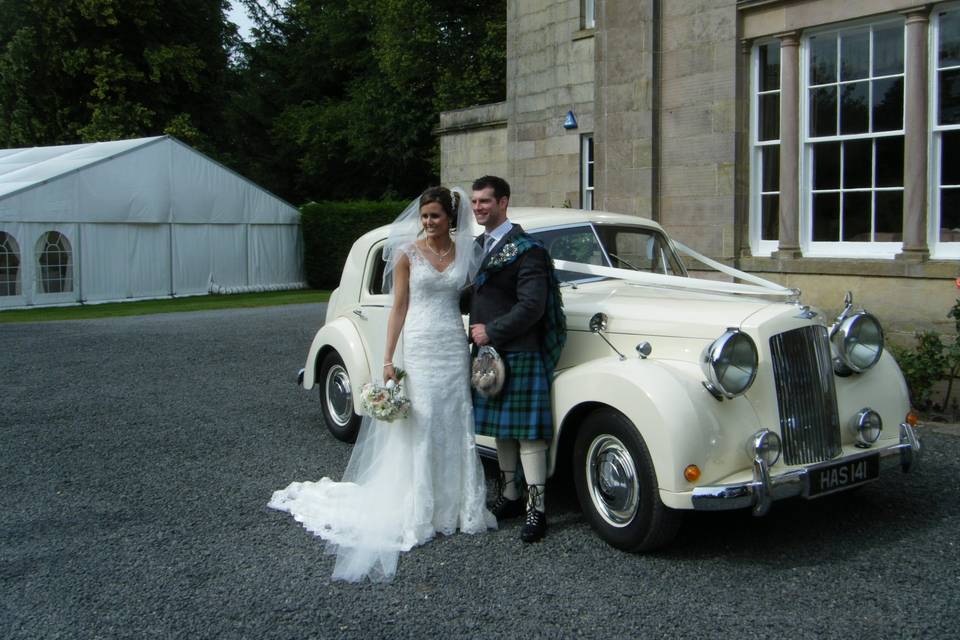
(336, 399)
(617, 485)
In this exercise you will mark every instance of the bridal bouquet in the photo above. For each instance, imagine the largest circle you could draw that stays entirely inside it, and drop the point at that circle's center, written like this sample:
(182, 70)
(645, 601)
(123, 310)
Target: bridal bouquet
(385, 402)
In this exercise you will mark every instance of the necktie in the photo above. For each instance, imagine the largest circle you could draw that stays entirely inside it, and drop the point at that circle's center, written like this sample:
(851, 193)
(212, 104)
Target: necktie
(488, 243)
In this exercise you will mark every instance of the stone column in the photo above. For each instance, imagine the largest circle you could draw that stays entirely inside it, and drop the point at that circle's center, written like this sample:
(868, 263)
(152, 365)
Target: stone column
(789, 246)
(915, 137)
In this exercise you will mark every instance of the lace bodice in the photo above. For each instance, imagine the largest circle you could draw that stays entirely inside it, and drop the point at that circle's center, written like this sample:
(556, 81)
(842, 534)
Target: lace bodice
(434, 296)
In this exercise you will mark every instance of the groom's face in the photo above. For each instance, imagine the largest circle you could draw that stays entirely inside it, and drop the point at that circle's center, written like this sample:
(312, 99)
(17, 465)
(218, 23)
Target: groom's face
(489, 212)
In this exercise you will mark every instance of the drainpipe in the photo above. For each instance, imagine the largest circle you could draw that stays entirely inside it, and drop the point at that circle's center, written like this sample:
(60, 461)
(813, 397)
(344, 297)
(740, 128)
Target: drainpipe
(655, 107)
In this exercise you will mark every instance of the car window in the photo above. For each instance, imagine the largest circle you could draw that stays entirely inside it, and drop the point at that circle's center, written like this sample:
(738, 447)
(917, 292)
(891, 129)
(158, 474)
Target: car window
(575, 244)
(640, 249)
(375, 271)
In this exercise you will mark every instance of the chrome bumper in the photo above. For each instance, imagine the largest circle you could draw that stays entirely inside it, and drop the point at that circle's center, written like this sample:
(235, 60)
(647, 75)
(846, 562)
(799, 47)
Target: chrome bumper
(764, 489)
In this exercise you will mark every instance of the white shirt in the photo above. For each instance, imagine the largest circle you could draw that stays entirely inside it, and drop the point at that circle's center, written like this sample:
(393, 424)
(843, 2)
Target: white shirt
(498, 233)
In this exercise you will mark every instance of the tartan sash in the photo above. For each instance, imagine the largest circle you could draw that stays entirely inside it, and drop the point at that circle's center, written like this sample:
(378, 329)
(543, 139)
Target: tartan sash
(554, 321)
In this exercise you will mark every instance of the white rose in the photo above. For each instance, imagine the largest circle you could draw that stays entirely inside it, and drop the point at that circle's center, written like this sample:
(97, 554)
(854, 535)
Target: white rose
(391, 383)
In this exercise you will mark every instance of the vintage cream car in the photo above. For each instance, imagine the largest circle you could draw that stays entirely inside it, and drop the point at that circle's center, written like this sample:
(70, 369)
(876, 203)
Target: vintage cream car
(673, 393)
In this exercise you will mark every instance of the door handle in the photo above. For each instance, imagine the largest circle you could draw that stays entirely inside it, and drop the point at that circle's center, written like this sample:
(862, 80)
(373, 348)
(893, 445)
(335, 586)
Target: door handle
(359, 314)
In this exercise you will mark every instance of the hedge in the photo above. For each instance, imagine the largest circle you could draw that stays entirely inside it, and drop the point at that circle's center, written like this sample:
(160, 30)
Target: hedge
(329, 230)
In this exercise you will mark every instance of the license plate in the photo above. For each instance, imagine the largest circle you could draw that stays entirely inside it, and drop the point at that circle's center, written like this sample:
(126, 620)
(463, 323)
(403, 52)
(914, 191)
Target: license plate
(842, 475)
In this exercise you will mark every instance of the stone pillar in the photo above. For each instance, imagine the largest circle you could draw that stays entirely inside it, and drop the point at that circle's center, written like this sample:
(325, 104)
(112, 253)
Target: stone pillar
(915, 137)
(789, 246)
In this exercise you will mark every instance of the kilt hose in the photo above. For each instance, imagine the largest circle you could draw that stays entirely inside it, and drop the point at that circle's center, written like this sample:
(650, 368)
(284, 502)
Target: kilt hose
(522, 410)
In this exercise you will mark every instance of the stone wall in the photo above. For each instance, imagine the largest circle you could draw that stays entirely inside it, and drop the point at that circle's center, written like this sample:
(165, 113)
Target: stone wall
(473, 143)
(550, 70)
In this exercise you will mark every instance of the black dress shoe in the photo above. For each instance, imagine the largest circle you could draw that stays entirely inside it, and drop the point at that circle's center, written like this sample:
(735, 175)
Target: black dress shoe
(535, 528)
(504, 508)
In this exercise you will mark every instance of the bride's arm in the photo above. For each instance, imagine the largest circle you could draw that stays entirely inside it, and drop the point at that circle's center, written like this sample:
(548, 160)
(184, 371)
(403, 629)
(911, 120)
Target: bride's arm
(398, 314)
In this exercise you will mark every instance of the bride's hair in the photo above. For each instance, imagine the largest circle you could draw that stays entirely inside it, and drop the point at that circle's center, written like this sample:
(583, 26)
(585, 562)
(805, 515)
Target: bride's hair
(450, 202)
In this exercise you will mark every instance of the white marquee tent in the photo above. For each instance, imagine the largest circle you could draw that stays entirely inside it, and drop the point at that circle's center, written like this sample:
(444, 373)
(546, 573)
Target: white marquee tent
(140, 218)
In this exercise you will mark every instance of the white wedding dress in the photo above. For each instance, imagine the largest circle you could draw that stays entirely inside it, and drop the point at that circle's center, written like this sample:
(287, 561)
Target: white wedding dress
(409, 479)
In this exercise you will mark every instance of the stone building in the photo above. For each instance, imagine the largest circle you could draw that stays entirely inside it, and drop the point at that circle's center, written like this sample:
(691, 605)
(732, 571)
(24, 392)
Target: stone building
(813, 142)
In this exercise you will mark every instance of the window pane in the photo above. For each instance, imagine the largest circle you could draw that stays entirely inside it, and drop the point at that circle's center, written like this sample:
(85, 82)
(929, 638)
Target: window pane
(855, 56)
(950, 215)
(950, 97)
(856, 217)
(949, 54)
(888, 50)
(888, 104)
(823, 111)
(826, 217)
(769, 67)
(769, 125)
(950, 158)
(826, 165)
(770, 168)
(890, 162)
(889, 216)
(854, 117)
(770, 216)
(857, 163)
(823, 59)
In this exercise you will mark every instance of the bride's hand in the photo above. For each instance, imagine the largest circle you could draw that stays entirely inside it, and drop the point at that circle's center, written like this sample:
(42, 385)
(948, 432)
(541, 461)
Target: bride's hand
(389, 373)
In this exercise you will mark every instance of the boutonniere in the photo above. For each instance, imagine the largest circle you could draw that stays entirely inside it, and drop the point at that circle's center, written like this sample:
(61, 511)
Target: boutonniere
(506, 254)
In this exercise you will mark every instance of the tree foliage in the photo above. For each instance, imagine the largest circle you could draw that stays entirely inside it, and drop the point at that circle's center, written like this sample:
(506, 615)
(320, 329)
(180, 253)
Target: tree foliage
(330, 100)
(348, 93)
(87, 70)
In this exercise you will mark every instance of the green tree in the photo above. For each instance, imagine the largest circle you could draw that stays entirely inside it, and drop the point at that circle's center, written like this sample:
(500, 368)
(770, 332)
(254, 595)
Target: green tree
(339, 100)
(87, 70)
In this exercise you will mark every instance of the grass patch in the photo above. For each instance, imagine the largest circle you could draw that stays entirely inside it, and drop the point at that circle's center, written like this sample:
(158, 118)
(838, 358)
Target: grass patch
(165, 305)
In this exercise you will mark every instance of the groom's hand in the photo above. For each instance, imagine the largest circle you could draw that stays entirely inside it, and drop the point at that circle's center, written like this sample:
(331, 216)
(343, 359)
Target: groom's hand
(478, 333)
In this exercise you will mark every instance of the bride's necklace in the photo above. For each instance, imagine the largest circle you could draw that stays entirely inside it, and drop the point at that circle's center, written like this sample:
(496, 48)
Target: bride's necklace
(440, 254)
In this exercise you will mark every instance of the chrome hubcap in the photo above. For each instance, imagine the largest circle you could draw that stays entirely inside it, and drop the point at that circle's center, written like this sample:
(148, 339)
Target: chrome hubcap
(339, 395)
(612, 480)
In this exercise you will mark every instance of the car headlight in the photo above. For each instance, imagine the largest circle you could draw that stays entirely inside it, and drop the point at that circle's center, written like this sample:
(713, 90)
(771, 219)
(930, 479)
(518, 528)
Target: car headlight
(730, 363)
(858, 342)
(867, 425)
(766, 445)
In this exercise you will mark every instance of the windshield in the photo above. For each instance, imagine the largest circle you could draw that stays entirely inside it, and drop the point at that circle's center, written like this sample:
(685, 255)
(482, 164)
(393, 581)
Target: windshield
(620, 246)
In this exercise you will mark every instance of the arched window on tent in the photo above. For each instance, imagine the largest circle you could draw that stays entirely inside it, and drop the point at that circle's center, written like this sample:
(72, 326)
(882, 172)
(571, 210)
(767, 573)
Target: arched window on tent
(9, 265)
(55, 263)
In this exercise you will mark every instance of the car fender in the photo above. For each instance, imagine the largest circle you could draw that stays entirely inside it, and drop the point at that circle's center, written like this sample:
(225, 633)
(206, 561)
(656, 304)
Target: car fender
(679, 420)
(341, 336)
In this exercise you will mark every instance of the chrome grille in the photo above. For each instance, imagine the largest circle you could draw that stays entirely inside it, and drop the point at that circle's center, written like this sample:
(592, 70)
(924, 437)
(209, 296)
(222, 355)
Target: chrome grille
(806, 395)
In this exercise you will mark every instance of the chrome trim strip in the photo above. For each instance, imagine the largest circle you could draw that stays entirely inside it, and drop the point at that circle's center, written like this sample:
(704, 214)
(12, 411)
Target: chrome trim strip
(764, 489)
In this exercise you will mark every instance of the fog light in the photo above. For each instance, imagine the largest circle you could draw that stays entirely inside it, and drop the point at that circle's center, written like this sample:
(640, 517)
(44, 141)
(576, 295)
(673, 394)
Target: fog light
(764, 444)
(912, 418)
(691, 473)
(867, 425)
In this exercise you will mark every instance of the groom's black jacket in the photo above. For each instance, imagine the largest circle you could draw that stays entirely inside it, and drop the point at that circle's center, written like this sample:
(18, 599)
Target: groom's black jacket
(512, 301)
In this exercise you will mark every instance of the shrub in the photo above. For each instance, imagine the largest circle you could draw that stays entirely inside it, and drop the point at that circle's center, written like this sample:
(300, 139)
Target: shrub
(929, 362)
(329, 230)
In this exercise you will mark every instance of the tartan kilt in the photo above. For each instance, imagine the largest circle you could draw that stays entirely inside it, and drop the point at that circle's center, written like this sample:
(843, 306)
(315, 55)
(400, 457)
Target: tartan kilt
(522, 410)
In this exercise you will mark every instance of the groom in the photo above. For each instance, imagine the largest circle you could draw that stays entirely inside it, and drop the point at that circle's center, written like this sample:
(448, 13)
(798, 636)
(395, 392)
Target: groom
(516, 308)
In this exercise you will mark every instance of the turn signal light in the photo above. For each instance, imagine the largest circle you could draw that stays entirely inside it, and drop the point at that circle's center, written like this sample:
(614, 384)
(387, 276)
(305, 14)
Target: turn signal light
(912, 418)
(691, 473)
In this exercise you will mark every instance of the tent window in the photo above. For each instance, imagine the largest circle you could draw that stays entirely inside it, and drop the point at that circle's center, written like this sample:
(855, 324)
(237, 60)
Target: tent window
(9, 265)
(55, 273)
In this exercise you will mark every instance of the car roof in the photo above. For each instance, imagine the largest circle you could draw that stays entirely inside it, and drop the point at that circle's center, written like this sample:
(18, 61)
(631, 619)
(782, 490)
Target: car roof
(533, 218)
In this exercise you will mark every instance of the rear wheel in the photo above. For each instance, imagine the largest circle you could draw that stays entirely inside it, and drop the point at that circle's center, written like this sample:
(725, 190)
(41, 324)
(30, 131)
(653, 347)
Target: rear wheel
(336, 399)
(617, 485)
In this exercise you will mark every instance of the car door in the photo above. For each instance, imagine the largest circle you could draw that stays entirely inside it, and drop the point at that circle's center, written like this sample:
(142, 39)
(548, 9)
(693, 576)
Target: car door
(372, 313)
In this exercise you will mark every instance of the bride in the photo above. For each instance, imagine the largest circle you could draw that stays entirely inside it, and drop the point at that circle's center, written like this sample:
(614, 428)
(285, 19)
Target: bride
(410, 479)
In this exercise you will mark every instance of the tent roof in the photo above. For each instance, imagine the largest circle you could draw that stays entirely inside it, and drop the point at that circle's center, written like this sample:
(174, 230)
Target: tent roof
(148, 180)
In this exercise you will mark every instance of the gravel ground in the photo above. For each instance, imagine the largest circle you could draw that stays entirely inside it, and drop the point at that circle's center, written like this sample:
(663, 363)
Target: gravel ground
(137, 456)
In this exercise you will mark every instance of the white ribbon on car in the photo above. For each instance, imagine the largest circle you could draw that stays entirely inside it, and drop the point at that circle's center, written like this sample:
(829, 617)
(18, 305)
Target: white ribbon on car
(759, 285)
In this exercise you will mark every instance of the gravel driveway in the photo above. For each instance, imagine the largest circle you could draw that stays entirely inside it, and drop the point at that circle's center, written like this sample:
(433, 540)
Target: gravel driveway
(137, 456)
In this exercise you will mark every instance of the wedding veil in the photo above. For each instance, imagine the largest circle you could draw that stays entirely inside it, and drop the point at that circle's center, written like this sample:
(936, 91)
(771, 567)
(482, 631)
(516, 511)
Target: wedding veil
(406, 229)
